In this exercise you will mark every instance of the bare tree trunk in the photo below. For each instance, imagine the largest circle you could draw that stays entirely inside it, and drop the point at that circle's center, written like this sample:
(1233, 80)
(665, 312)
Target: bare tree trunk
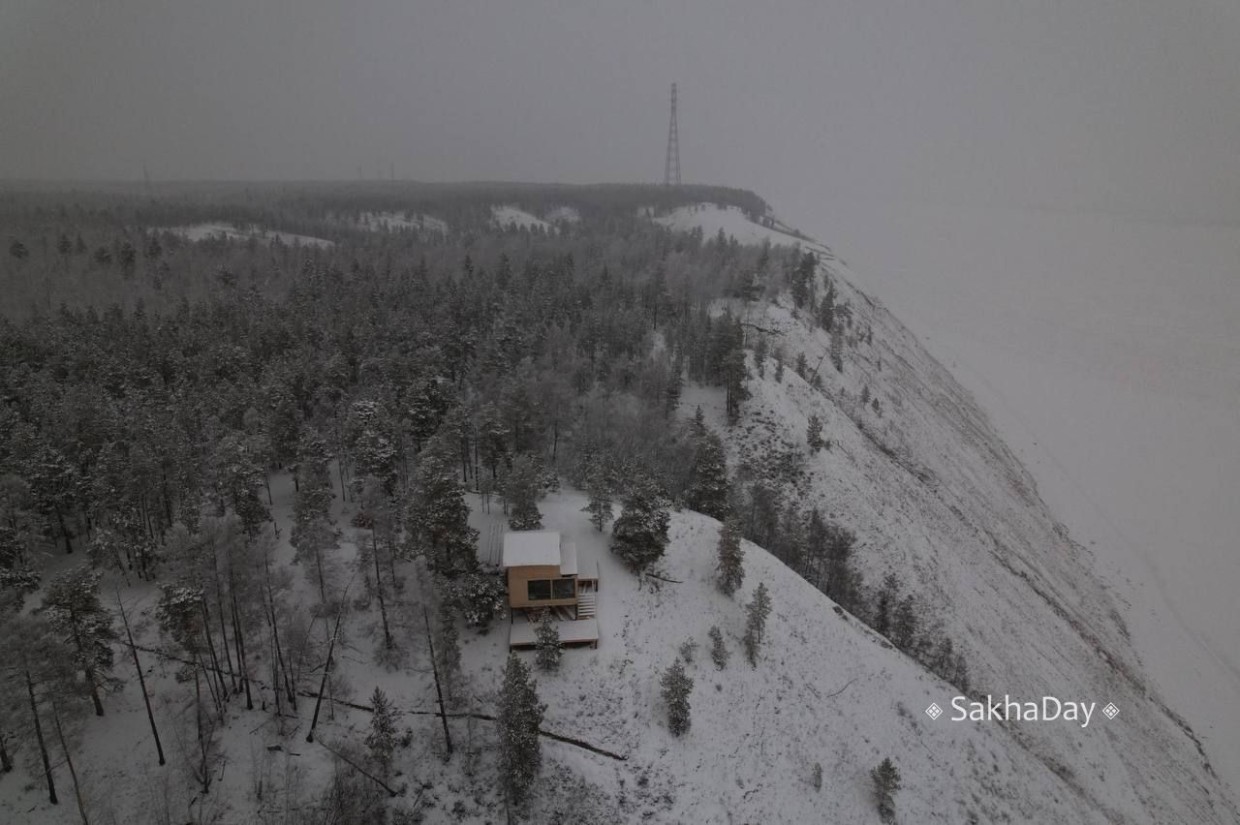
(327, 665)
(38, 733)
(215, 660)
(87, 671)
(219, 604)
(443, 711)
(6, 761)
(374, 546)
(64, 747)
(146, 697)
(275, 638)
(239, 638)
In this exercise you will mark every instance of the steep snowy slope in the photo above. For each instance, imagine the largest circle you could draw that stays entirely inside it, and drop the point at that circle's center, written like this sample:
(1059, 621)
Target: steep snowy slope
(936, 497)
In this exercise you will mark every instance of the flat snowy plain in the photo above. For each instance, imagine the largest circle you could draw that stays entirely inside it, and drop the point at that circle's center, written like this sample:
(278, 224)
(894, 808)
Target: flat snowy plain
(1107, 352)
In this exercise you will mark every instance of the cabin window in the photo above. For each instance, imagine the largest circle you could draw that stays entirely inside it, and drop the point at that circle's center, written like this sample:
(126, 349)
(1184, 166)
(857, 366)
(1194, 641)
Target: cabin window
(543, 589)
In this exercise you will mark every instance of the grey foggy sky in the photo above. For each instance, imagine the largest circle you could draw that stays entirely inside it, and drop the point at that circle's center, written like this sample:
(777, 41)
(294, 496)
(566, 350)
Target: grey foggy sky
(1120, 104)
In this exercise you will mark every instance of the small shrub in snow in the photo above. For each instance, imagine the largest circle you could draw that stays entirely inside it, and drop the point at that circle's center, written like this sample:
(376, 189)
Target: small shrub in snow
(687, 649)
(718, 653)
(676, 689)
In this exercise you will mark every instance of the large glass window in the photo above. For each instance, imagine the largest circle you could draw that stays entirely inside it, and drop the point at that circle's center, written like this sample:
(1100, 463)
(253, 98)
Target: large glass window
(542, 589)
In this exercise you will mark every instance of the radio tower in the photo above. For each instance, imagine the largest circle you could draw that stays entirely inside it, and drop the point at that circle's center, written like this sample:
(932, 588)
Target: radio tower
(671, 168)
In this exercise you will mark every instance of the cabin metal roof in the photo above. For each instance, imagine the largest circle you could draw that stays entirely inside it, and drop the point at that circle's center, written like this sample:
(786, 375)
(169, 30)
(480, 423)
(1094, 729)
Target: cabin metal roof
(533, 548)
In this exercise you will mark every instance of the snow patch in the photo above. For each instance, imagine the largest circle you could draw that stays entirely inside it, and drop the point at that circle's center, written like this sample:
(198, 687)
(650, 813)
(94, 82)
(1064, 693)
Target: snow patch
(238, 232)
(507, 216)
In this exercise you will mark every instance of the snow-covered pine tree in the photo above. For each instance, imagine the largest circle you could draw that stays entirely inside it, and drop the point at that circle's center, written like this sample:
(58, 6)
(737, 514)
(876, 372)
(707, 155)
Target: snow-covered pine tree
(84, 626)
(520, 716)
(639, 536)
(886, 777)
(522, 488)
(708, 480)
(437, 518)
(884, 607)
(677, 685)
(731, 558)
(381, 739)
(813, 434)
(549, 650)
(755, 625)
(599, 488)
(17, 576)
(718, 652)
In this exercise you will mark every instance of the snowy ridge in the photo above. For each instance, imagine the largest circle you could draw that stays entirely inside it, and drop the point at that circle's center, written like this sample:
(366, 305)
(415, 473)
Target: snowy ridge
(507, 215)
(401, 221)
(733, 222)
(234, 232)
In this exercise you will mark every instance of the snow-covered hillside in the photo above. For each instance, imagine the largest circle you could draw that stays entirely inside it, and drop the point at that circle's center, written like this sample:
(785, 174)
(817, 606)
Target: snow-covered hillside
(826, 691)
(937, 498)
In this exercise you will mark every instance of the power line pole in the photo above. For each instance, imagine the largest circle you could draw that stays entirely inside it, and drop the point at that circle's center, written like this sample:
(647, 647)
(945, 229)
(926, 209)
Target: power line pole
(671, 167)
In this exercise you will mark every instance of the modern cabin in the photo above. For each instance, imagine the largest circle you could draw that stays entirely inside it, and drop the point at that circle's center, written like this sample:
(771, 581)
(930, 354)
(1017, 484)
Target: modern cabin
(545, 573)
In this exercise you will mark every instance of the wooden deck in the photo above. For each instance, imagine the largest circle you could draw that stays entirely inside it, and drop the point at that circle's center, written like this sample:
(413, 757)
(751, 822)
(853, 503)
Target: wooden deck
(573, 633)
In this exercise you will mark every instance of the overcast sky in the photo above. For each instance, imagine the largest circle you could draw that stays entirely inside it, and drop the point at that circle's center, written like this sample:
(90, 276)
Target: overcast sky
(1114, 104)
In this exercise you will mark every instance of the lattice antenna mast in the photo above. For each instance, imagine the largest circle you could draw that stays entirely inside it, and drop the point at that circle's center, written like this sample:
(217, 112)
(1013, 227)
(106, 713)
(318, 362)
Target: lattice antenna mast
(671, 168)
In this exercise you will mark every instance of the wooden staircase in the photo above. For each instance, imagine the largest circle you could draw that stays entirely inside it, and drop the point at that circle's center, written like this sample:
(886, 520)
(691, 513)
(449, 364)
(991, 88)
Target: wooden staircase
(587, 603)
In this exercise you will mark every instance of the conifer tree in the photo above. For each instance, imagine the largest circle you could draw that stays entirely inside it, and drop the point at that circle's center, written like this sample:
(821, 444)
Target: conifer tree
(813, 434)
(731, 558)
(85, 627)
(549, 650)
(708, 480)
(639, 536)
(381, 740)
(887, 595)
(437, 519)
(522, 489)
(677, 685)
(520, 716)
(599, 488)
(718, 652)
(886, 777)
(755, 626)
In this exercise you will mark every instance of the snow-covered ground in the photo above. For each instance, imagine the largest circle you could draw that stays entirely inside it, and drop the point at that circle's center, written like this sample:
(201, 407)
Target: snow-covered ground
(398, 221)
(711, 218)
(1108, 353)
(507, 215)
(202, 231)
